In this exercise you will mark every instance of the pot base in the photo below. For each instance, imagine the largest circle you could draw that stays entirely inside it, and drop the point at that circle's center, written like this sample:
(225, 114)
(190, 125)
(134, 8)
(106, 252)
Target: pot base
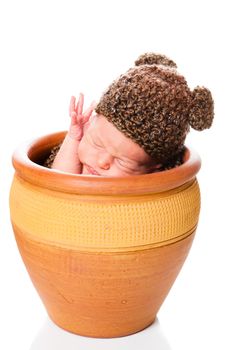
(102, 295)
(103, 335)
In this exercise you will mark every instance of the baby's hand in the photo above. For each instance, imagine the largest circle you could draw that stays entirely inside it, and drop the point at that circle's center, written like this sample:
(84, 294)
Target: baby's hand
(78, 118)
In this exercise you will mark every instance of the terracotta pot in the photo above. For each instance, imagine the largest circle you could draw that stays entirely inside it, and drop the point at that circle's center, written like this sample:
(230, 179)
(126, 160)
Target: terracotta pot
(102, 252)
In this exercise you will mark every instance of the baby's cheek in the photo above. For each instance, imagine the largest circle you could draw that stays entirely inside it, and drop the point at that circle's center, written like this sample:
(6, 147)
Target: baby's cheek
(81, 151)
(86, 126)
(86, 153)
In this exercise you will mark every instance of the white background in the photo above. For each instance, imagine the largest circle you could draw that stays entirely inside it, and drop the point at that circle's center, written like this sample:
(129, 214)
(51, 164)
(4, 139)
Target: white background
(52, 49)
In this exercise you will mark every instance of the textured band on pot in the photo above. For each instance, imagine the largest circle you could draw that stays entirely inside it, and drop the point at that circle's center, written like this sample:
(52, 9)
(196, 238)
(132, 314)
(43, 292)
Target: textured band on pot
(105, 223)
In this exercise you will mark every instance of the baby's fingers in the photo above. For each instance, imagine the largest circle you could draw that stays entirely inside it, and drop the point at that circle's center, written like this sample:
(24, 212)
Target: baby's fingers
(88, 112)
(79, 108)
(72, 105)
(73, 118)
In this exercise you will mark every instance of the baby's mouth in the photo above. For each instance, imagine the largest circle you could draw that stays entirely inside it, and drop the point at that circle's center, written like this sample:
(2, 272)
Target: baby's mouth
(91, 170)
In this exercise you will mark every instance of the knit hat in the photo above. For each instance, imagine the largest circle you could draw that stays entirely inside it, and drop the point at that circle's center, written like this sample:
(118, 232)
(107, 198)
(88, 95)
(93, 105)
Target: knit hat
(153, 105)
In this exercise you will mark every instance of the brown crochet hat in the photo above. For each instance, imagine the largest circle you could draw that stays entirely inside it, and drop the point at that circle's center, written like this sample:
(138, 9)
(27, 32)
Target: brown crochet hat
(153, 105)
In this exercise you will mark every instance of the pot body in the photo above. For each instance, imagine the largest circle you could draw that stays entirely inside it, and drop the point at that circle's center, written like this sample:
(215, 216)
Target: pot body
(102, 263)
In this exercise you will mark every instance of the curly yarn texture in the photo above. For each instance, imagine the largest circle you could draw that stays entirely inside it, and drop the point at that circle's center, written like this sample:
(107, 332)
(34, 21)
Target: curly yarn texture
(153, 105)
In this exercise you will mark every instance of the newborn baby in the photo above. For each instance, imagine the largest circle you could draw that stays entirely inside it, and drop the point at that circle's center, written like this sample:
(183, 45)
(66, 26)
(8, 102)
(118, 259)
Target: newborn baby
(140, 124)
(95, 146)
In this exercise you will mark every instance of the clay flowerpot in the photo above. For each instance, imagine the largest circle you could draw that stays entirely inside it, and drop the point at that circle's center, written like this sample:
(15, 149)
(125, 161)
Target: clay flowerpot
(102, 252)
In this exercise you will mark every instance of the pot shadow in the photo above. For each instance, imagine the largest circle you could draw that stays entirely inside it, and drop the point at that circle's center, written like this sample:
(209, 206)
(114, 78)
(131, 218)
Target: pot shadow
(51, 337)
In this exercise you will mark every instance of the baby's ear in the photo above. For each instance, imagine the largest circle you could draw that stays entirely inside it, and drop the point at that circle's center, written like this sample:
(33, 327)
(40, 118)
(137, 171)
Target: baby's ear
(201, 111)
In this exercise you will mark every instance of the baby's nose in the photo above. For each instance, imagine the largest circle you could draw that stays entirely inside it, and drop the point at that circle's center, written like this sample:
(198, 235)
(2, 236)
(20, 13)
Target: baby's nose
(105, 160)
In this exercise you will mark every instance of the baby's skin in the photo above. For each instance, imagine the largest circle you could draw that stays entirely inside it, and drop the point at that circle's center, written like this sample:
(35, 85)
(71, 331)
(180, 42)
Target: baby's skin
(94, 146)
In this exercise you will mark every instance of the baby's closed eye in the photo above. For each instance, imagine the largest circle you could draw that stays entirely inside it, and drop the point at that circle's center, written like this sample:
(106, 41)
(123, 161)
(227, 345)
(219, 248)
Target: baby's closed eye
(126, 164)
(97, 144)
(94, 143)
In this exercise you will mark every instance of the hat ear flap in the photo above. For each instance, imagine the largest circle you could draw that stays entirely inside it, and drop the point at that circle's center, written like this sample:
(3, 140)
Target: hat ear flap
(201, 112)
(153, 58)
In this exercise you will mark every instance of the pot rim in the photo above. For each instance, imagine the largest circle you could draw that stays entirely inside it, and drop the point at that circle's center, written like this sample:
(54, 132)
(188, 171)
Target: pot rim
(24, 163)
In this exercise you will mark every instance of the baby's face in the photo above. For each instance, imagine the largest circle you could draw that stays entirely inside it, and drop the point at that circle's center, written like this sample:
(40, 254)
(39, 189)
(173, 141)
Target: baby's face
(106, 151)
